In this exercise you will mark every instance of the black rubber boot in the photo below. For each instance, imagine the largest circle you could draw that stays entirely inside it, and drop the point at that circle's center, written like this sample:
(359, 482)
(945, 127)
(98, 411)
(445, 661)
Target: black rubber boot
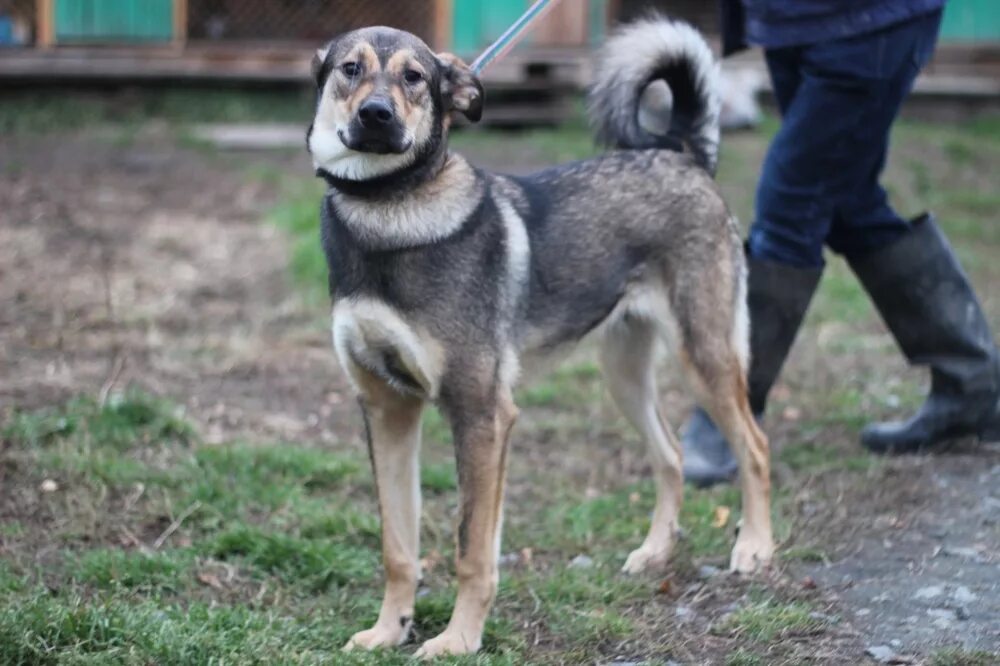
(777, 297)
(927, 302)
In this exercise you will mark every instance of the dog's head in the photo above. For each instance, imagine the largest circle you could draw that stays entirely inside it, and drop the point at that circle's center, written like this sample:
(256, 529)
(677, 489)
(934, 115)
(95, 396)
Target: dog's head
(384, 100)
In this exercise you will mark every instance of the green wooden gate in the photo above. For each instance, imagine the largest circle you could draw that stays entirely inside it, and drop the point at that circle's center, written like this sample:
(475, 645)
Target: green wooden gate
(113, 20)
(476, 23)
(971, 21)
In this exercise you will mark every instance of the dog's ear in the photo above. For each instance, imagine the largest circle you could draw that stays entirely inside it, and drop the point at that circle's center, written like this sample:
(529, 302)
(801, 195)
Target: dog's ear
(460, 87)
(318, 62)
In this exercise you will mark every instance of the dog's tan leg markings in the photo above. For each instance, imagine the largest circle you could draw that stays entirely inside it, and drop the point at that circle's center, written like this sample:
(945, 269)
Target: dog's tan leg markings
(723, 393)
(627, 359)
(481, 442)
(392, 422)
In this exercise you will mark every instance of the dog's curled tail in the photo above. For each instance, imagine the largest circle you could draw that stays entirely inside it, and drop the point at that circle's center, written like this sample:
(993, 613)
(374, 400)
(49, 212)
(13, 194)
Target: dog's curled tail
(656, 85)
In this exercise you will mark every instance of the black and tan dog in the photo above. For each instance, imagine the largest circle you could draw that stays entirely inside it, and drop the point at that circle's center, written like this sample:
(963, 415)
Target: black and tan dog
(446, 278)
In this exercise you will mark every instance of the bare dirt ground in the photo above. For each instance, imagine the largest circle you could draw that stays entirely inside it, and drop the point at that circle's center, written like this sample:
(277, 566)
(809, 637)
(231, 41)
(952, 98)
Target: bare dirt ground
(150, 264)
(147, 263)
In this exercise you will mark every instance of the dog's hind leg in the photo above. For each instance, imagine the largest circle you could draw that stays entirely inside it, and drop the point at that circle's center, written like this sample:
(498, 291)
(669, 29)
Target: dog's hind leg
(392, 424)
(718, 376)
(482, 433)
(627, 359)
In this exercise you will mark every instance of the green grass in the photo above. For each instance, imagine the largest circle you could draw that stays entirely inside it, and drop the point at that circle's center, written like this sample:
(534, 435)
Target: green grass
(272, 541)
(811, 457)
(44, 111)
(40, 628)
(125, 420)
(743, 658)
(314, 563)
(106, 568)
(960, 657)
(298, 217)
(438, 478)
(768, 620)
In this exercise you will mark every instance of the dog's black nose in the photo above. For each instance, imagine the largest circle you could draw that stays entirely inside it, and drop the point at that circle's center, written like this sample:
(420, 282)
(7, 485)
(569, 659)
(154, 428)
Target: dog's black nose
(375, 113)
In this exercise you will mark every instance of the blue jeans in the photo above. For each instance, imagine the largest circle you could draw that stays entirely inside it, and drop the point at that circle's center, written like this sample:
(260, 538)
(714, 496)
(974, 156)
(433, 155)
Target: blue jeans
(819, 183)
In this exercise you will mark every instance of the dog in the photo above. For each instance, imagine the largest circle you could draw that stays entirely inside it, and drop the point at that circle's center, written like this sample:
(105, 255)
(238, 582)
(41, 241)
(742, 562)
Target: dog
(446, 279)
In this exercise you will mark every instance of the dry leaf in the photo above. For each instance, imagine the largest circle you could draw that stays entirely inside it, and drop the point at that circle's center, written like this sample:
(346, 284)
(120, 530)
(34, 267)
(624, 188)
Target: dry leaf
(526, 555)
(633, 498)
(666, 587)
(210, 579)
(792, 413)
(48, 486)
(721, 516)
(808, 583)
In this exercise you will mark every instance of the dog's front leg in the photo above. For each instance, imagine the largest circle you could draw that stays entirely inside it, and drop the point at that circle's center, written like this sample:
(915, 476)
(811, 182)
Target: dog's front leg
(482, 439)
(392, 424)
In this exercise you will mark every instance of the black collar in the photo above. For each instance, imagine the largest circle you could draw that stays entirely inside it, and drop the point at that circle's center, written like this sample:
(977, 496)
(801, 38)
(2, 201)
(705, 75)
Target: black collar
(424, 167)
(389, 185)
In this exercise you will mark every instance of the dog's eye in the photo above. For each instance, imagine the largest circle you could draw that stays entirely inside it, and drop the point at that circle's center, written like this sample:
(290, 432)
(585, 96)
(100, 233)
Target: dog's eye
(412, 76)
(350, 69)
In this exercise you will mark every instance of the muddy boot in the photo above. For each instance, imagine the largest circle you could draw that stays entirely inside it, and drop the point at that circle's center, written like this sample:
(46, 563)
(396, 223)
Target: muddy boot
(777, 298)
(928, 304)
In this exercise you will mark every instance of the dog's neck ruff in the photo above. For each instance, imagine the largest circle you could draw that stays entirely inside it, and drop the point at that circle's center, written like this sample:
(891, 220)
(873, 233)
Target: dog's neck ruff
(386, 214)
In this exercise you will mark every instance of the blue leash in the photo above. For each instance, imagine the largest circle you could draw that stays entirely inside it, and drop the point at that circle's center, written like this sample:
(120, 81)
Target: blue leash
(511, 35)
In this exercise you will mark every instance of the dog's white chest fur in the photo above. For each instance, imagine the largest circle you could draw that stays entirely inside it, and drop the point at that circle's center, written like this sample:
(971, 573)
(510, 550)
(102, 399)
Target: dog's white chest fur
(372, 338)
(433, 211)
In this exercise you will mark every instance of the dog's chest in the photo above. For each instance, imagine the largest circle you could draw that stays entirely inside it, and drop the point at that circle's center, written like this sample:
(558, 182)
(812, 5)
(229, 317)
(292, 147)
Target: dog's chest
(373, 340)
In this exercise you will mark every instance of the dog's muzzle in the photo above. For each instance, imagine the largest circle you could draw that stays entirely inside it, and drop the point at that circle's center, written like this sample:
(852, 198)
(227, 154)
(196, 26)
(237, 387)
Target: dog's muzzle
(376, 129)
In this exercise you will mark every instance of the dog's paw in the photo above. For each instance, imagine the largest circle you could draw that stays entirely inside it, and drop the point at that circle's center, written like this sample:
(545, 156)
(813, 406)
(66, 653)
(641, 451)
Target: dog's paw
(647, 558)
(453, 643)
(378, 636)
(751, 554)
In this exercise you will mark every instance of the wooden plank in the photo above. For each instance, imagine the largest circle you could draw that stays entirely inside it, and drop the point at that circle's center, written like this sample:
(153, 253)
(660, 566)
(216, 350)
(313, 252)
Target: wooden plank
(45, 18)
(180, 23)
(564, 25)
(443, 18)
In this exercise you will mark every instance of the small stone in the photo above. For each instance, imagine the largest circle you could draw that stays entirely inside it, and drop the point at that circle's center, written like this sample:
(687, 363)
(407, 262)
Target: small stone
(706, 571)
(929, 592)
(883, 654)
(967, 553)
(861, 612)
(48, 486)
(823, 617)
(943, 617)
(684, 613)
(896, 643)
(963, 595)
(942, 623)
(581, 562)
(962, 613)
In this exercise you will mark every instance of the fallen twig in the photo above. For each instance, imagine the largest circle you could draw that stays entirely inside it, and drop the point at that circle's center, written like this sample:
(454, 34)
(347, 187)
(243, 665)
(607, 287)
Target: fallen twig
(173, 527)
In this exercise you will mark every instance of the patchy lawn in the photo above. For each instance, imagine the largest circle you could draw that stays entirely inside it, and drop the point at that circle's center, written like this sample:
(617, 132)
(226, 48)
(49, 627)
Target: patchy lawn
(182, 479)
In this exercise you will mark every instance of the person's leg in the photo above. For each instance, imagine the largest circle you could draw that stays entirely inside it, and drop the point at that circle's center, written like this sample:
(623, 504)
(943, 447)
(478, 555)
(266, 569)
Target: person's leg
(833, 137)
(931, 309)
(863, 220)
(917, 284)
